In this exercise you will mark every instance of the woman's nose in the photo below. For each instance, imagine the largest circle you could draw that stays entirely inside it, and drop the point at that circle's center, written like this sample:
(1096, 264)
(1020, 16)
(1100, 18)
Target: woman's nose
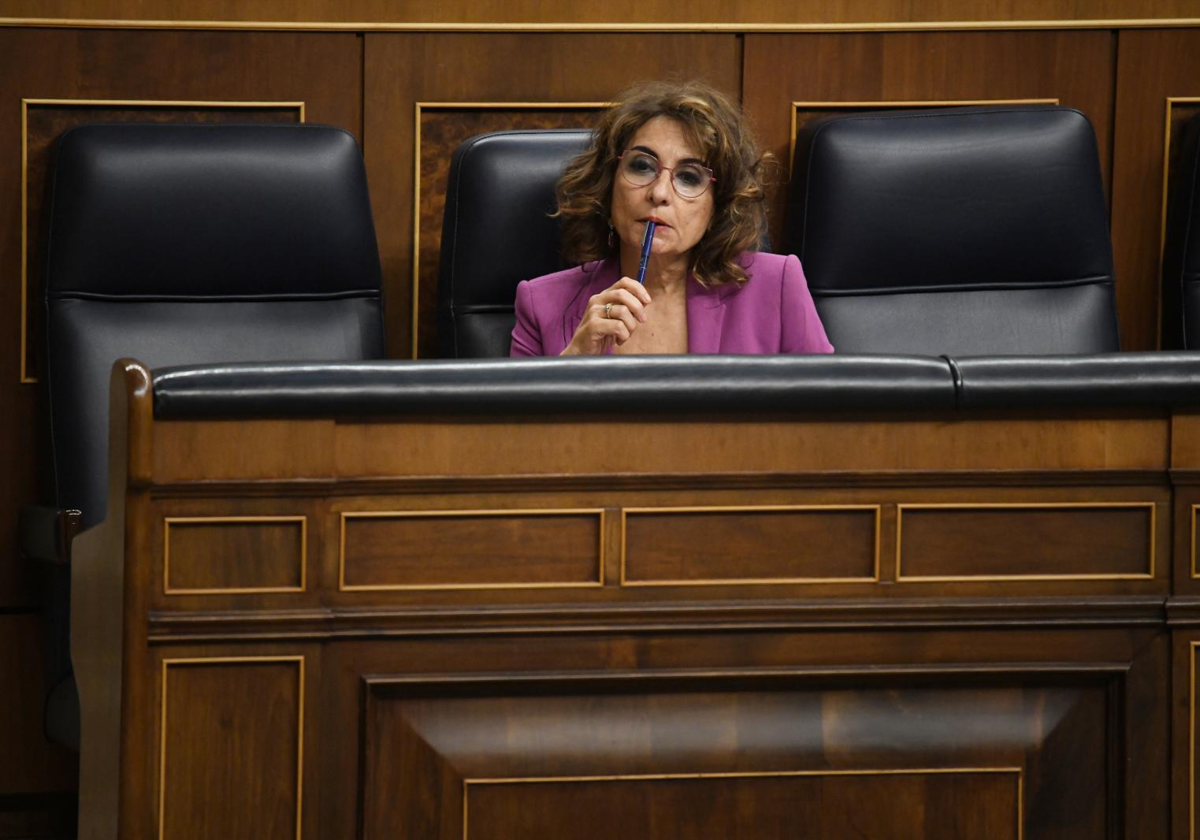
(660, 187)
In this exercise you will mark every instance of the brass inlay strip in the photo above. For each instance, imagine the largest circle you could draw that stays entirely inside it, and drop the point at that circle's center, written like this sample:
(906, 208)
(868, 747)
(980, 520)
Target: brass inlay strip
(901, 508)
(1162, 220)
(1192, 740)
(24, 376)
(883, 105)
(759, 774)
(455, 106)
(1192, 556)
(228, 660)
(750, 509)
(168, 521)
(424, 514)
(749, 28)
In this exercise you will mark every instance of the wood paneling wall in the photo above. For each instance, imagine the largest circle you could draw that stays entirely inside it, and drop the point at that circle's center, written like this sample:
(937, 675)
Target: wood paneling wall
(1131, 80)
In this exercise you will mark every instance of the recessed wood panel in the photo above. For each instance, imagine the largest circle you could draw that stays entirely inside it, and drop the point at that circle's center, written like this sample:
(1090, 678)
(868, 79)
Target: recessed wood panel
(231, 748)
(749, 545)
(472, 549)
(234, 554)
(723, 756)
(966, 804)
(1050, 541)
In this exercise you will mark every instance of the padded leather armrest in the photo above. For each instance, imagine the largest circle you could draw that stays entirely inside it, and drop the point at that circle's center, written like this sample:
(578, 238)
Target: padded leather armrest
(656, 385)
(1102, 380)
(45, 532)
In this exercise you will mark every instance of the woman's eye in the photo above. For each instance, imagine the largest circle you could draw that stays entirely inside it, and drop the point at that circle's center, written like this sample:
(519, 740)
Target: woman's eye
(643, 165)
(689, 176)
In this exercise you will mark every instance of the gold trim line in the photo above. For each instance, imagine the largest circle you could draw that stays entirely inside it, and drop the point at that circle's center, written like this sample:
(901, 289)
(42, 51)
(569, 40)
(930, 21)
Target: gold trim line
(625, 582)
(232, 660)
(600, 513)
(531, 26)
(901, 508)
(168, 521)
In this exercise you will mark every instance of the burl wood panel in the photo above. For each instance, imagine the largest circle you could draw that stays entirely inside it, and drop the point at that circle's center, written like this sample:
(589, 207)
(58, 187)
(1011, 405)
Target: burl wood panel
(448, 549)
(746, 545)
(1076, 68)
(553, 750)
(963, 804)
(235, 554)
(231, 749)
(1002, 542)
(1153, 65)
(402, 69)
(45, 122)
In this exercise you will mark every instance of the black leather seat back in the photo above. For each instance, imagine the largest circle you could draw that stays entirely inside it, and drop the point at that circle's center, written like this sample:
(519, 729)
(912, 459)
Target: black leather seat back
(1181, 254)
(496, 232)
(956, 231)
(190, 244)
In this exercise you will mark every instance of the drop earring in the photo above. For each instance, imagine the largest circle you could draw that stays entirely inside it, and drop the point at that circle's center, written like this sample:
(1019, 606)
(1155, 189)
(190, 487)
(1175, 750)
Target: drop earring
(612, 244)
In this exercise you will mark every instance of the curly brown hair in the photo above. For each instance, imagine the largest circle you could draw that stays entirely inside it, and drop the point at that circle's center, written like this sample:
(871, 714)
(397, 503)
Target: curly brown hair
(714, 126)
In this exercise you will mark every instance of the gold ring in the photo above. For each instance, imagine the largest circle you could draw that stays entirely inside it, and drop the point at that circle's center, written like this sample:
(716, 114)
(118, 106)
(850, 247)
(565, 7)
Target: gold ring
(608, 310)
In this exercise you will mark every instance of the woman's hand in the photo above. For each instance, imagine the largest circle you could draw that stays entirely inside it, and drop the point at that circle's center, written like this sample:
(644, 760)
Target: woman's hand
(610, 318)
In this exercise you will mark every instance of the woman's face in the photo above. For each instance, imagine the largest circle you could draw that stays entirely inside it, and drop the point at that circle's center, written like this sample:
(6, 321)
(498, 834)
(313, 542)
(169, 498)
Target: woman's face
(680, 221)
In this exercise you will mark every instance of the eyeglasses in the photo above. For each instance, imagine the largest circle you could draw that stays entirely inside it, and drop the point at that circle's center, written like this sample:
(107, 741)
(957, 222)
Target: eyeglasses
(641, 169)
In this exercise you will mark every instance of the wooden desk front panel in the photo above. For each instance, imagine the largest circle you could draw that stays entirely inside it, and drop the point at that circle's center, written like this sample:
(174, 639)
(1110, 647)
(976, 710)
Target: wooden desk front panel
(630, 546)
(961, 732)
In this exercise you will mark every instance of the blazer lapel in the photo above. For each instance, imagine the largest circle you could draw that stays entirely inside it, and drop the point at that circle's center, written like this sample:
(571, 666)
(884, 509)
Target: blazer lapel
(705, 315)
(601, 276)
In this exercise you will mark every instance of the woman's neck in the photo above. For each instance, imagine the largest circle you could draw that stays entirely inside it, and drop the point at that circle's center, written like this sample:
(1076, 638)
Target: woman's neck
(662, 274)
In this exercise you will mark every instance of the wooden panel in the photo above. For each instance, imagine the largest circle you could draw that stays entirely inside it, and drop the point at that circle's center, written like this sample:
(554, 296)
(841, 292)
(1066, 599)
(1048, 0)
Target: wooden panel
(472, 549)
(619, 13)
(28, 763)
(743, 545)
(749, 445)
(717, 757)
(1074, 68)
(404, 69)
(231, 748)
(1155, 66)
(234, 554)
(956, 803)
(1050, 541)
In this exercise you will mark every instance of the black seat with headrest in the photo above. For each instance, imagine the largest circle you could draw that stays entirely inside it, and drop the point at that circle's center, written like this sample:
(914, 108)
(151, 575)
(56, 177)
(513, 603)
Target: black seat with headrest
(497, 231)
(960, 231)
(1181, 252)
(183, 244)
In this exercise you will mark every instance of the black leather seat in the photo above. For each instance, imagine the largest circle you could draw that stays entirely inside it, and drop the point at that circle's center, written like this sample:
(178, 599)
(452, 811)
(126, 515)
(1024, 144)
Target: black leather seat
(187, 244)
(967, 231)
(1181, 252)
(496, 232)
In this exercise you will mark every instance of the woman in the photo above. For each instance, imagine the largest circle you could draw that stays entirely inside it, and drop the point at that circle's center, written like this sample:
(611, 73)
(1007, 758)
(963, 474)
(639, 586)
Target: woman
(679, 156)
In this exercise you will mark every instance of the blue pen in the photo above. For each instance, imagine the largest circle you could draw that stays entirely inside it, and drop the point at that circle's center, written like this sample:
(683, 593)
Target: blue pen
(647, 243)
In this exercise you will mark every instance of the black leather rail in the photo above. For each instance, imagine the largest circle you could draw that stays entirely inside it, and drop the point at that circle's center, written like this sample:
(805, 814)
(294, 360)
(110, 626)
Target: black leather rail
(1102, 380)
(594, 386)
(677, 385)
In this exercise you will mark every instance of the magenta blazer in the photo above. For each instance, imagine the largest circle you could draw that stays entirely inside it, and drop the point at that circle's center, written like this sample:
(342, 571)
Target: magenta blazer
(772, 312)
